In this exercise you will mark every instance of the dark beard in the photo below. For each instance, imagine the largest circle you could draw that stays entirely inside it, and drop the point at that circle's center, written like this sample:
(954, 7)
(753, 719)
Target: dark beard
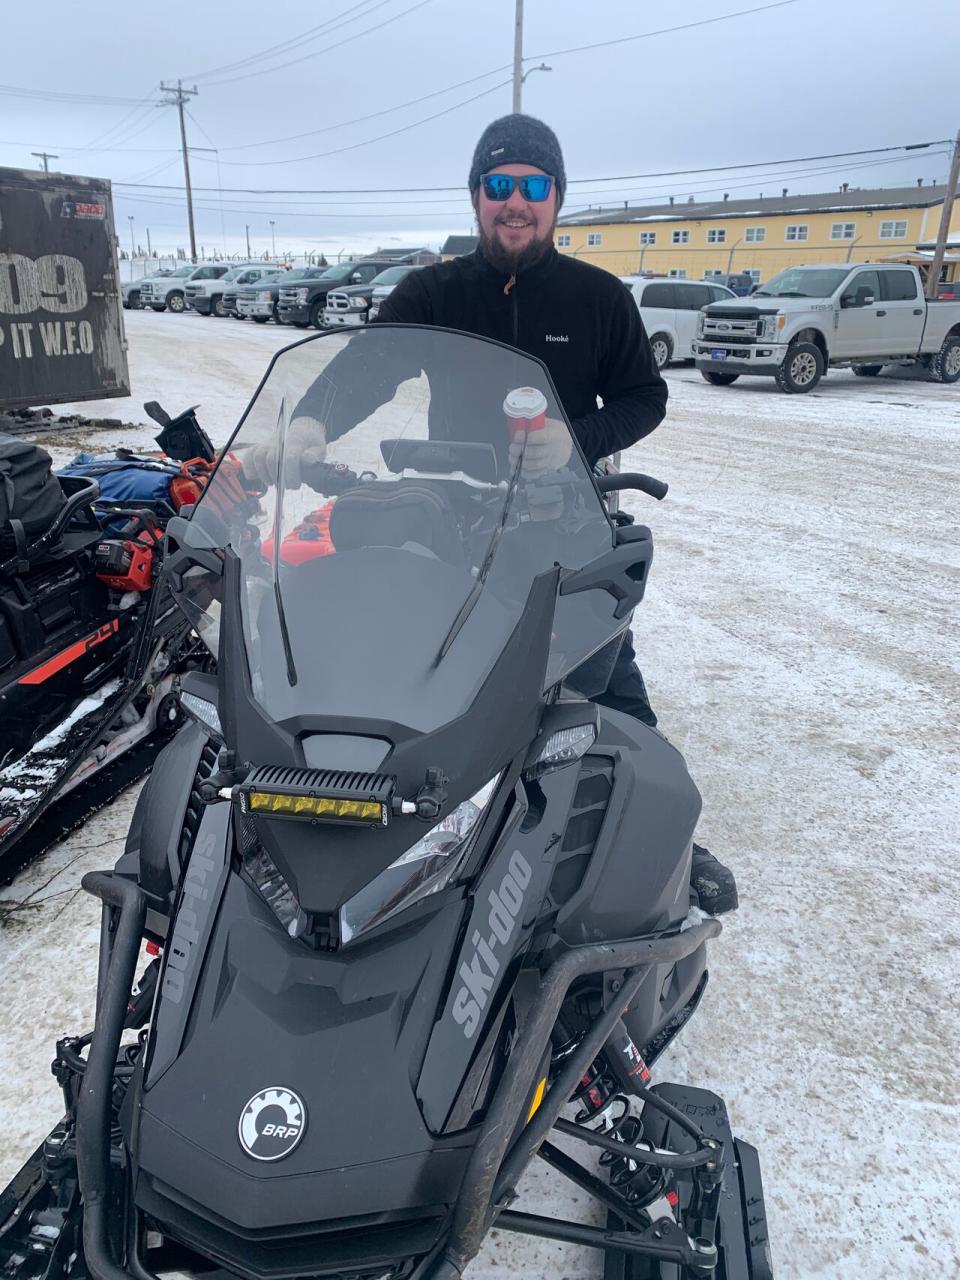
(511, 264)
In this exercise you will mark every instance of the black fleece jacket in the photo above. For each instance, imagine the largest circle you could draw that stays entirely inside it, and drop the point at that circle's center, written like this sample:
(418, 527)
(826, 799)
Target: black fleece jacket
(578, 319)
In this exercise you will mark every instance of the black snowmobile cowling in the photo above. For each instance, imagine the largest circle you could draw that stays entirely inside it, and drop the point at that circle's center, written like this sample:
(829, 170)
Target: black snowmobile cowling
(413, 893)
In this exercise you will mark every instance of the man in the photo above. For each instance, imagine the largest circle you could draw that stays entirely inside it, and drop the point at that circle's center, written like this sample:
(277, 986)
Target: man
(577, 319)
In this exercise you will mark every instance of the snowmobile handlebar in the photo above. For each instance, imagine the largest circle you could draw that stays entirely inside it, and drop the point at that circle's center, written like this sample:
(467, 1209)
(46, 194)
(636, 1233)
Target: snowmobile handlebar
(633, 480)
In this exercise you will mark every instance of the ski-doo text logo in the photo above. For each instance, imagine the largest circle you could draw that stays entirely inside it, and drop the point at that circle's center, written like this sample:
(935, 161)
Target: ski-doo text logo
(194, 907)
(480, 969)
(272, 1123)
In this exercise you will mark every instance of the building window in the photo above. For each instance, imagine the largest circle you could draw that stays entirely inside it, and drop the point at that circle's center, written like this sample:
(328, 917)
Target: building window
(754, 235)
(594, 238)
(714, 275)
(648, 237)
(753, 274)
(681, 237)
(563, 241)
(797, 230)
(843, 230)
(893, 230)
(678, 273)
(716, 235)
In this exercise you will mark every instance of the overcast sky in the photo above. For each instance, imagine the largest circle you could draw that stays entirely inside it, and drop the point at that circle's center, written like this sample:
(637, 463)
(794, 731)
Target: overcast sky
(806, 79)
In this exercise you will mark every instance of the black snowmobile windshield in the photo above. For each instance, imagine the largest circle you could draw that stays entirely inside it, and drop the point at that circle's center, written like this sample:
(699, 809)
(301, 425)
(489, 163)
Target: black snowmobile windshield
(392, 494)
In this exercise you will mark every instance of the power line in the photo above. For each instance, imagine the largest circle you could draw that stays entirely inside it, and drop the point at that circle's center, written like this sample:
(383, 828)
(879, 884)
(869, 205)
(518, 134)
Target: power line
(86, 99)
(631, 177)
(354, 146)
(326, 49)
(373, 115)
(304, 36)
(662, 31)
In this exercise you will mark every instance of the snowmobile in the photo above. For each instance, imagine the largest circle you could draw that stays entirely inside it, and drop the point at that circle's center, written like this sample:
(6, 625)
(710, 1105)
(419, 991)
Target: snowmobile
(90, 638)
(416, 911)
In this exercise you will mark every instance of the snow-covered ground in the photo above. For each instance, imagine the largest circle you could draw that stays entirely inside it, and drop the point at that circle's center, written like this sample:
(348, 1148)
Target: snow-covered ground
(800, 639)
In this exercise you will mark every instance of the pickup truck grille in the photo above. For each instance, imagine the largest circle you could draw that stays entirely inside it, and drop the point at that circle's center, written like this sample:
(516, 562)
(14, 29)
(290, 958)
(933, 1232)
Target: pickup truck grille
(289, 293)
(146, 291)
(338, 302)
(730, 330)
(192, 290)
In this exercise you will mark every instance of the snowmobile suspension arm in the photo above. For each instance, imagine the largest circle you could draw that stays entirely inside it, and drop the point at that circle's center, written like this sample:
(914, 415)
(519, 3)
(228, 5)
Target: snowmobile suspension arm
(490, 1177)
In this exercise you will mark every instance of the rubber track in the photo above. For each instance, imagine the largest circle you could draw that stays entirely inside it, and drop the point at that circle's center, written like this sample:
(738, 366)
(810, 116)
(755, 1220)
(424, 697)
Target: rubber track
(66, 815)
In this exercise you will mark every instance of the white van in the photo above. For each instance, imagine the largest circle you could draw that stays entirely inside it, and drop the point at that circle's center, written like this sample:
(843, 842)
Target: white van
(669, 310)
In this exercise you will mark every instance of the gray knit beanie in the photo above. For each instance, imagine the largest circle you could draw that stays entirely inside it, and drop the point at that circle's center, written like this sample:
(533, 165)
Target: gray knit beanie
(519, 139)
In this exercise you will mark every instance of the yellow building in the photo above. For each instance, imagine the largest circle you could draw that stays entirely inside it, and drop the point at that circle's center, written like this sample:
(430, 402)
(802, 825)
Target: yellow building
(758, 236)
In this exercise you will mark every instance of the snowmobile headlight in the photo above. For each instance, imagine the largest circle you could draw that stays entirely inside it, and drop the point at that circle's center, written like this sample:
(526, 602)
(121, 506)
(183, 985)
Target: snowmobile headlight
(563, 748)
(424, 869)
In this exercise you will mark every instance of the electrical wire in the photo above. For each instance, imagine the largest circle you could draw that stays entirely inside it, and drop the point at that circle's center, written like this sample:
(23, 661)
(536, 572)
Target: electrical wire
(78, 99)
(373, 115)
(662, 31)
(728, 168)
(281, 66)
(302, 38)
(367, 142)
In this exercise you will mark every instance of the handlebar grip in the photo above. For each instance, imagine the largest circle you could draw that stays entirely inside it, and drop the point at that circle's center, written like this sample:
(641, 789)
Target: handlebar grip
(634, 480)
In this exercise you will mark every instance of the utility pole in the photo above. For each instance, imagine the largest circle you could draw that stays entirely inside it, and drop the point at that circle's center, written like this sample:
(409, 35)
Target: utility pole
(247, 228)
(45, 155)
(130, 220)
(273, 238)
(933, 277)
(180, 97)
(149, 245)
(518, 57)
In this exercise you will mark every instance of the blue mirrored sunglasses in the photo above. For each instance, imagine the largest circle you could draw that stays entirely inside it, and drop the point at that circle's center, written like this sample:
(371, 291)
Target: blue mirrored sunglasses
(501, 186)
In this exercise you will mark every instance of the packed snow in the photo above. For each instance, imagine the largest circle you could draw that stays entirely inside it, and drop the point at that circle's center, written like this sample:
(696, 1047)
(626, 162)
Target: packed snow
(800, 640)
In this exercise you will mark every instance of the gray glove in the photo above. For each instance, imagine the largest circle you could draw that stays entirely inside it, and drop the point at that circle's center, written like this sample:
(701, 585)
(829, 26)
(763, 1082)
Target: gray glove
(306, 445)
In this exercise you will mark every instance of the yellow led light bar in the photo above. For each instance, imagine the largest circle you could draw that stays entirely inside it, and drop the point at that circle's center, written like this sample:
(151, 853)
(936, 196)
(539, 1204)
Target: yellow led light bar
(318, 795)
(294, 806)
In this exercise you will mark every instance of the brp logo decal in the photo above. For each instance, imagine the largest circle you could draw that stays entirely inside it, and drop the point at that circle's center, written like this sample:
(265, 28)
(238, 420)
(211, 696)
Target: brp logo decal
(272, 1123)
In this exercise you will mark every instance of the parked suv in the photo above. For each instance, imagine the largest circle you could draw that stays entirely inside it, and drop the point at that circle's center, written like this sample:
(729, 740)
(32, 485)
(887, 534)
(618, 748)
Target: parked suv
(204, 294)
(304, 304)
(669, 310)
(170, 292)
(355, 304)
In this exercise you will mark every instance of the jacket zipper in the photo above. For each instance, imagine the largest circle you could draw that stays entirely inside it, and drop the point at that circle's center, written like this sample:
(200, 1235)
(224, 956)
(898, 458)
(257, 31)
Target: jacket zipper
(510, 288)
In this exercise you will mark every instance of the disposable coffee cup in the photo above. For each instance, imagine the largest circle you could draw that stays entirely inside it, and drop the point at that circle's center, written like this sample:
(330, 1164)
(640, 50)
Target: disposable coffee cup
(526, 410)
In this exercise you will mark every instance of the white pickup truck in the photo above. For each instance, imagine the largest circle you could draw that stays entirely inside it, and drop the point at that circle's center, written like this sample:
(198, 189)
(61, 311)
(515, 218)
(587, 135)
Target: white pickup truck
(805, 319)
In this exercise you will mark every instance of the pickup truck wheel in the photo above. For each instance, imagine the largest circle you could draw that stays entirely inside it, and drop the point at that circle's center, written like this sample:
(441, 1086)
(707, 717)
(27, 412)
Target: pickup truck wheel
(217, 308)
(719, 379)
(867, 370)
(133, 302)
(662, 349)
(175, 301)
(801, 370)
(316, 315)
(945, 365)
